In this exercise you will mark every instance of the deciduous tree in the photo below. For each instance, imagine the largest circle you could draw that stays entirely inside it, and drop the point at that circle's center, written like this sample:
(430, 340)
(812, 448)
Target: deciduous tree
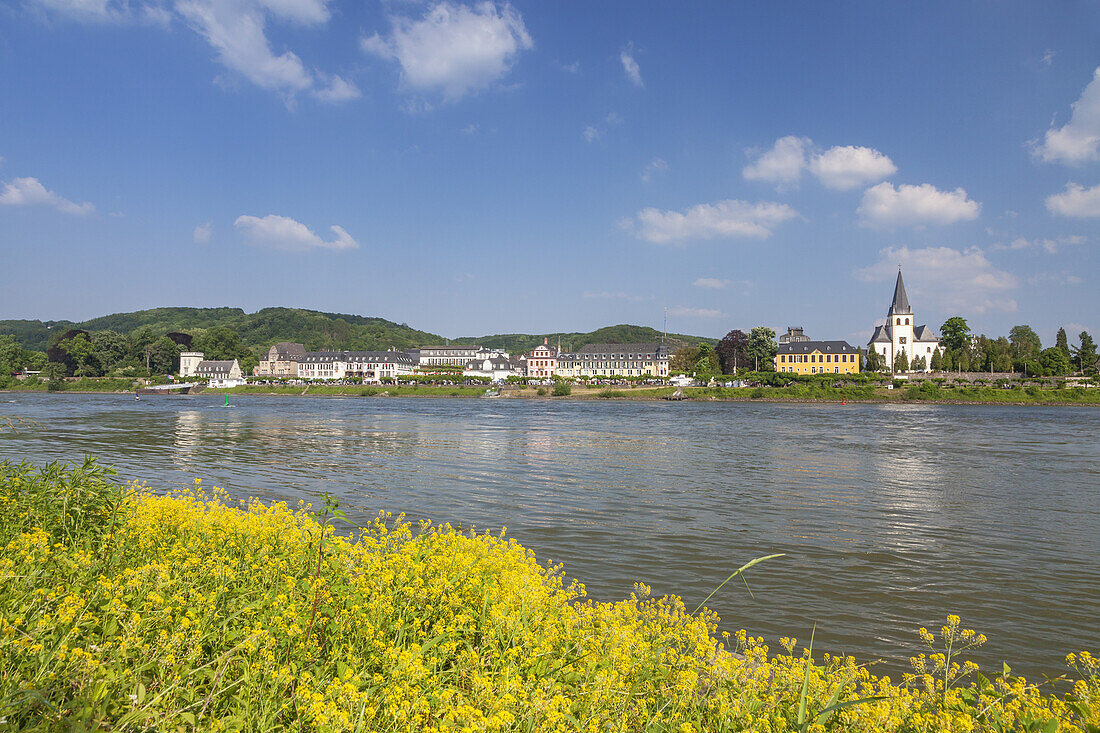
(733, 352)
(954, 333)
(762, 348)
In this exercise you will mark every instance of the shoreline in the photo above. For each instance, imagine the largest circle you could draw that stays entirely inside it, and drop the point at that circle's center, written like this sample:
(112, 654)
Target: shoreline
(622, 395)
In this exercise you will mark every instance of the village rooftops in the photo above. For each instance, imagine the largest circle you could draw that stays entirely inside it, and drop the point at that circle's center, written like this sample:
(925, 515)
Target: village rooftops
(825, 347)
(288, 350)
(214, 367)
(622, 351)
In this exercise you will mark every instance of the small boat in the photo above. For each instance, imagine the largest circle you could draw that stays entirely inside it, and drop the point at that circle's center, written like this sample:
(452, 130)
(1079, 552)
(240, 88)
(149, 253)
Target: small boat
(491, 393)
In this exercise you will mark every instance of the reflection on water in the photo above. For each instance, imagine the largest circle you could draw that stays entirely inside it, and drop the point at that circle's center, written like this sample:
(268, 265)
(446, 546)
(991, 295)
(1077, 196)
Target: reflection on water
(891, 516)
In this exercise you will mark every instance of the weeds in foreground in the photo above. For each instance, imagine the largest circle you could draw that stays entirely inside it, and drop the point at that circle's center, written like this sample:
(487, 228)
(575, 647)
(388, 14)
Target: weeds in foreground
(124, 610)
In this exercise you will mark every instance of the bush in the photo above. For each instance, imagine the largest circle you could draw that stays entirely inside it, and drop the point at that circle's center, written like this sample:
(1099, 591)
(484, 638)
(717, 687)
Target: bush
(189, 612)
(562, 389)
(541, 392)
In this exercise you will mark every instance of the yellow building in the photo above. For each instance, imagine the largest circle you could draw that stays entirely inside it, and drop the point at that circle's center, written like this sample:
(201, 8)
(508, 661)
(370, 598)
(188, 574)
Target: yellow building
(817, 357)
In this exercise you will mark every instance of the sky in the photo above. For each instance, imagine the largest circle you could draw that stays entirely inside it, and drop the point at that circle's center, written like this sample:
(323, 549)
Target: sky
(471, 168)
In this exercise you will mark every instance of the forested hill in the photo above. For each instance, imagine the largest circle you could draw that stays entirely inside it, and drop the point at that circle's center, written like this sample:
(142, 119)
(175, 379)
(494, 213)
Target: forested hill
(315, 329)
(622, 334)
(258, 330)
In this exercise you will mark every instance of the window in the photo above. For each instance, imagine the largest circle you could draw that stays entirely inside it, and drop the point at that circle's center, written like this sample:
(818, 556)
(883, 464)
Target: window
(906, 321)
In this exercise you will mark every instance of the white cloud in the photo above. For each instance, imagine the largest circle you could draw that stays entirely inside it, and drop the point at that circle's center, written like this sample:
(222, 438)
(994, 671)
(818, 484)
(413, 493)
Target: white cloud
(886, 206)
(1048, 58)
(731, 218)
(1050, 246)
(657, 165)
(945, 279)
(338, 90)
(630, 66)
(592, 133)
(573, 68)
(454, 49)
(288, 235)
(203, 232)
(1076, 201)
(841, 167)
(711, 283)
(105, 11)
(1078, 141)
(847, 167)
(682, 311)
(30, 192)
(236, 31)
(783, 163)
(305, 12)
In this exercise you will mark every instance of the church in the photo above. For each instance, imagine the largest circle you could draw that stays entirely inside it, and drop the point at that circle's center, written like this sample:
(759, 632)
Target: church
(900, 336)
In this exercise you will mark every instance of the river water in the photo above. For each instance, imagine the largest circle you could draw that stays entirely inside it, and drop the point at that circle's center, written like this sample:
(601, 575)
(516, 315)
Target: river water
(891, 516)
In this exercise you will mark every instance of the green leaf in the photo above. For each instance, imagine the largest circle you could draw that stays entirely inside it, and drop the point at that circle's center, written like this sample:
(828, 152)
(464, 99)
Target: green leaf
(735, 573)
(188, 718)
(140, 693)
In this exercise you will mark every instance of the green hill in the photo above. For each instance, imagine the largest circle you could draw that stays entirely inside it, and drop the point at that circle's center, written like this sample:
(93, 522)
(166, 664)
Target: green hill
(516, 343)
(315, 329)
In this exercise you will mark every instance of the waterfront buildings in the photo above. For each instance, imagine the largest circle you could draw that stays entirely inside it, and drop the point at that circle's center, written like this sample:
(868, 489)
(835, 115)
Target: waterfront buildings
(219, 373)
(817, 357)
(542, 361)
(453, 355)
(615, 360)
(899, 337)
(189, 360)
(496, 368)
(367, 366)
(281, 360)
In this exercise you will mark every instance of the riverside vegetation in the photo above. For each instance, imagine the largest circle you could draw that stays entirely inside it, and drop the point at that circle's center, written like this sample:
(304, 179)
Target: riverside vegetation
(124, 609)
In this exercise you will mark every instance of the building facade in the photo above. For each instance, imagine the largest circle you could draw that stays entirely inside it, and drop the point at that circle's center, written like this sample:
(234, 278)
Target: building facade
(793, 335)
(281, 360)
(497, 368)
(817, 357)
(220, 373)
(900, 336)
(189, 361)
(615, 360)
(454, 355)
(542, 361)
(364, 366)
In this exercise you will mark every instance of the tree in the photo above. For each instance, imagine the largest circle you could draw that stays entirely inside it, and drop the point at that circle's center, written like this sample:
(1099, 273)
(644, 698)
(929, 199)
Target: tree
(733, 352)
(901, 364)
(1055, 362)
(220, 344)
(79, 348)
(1061, 341)
(110, 349)
(1086, 353)
(13, 357)
(954, 333)
(707, 361)
(762, 348)
(872, 360)
(937, 361)
(918, 364)
(54, 371)
(1025, 343)
(683, 360)
(164, 356)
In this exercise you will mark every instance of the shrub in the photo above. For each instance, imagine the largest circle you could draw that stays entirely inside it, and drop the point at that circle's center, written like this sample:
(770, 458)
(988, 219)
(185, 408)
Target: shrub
(541, 392)
(191, 612)
(562, 389)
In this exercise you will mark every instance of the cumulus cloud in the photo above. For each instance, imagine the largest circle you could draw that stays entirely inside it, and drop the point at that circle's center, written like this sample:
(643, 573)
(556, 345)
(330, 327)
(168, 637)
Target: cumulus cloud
(886, 206)
(592, 133)
(683, 311)
(454, 49)
(1078, 141)
(30, 192)
(655, 166)
(711, 283)
(725, 219)
(337, 90)
(286, 234)
(846, 167)
(1076, 201)
(945, 279)
(630, 66)
(842, 167)
(203, 232)
(782, 164)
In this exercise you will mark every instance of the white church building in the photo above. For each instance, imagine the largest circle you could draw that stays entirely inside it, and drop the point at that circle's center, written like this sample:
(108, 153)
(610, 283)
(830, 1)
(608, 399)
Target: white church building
(900, 335)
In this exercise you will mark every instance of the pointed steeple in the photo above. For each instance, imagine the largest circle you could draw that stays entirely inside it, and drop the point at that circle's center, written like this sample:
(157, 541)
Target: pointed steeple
(901, 300)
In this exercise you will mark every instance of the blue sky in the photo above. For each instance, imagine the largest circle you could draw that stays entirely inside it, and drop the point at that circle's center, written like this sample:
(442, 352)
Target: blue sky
(472, 168)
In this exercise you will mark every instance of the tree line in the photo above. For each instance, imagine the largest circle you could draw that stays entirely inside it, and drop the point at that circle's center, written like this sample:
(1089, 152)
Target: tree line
(736, 352)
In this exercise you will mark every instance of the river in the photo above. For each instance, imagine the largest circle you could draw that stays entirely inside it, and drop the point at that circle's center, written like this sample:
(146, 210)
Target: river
(891, 516)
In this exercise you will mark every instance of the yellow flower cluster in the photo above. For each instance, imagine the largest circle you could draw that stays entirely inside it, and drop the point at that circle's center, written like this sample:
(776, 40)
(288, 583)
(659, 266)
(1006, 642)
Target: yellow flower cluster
(190, 611)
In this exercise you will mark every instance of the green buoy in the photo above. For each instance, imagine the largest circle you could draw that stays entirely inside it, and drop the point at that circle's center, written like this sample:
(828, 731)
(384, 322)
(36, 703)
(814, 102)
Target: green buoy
(227, 400)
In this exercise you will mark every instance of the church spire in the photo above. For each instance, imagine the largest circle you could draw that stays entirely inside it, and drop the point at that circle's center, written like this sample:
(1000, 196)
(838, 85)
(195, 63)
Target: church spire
(900, 305)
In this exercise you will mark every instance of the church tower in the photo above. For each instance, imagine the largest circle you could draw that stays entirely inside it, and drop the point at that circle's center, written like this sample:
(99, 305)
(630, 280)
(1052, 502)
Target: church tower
(901, 335)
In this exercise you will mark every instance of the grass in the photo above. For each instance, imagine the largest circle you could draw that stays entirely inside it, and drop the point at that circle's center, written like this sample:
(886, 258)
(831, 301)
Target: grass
(122, 609)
